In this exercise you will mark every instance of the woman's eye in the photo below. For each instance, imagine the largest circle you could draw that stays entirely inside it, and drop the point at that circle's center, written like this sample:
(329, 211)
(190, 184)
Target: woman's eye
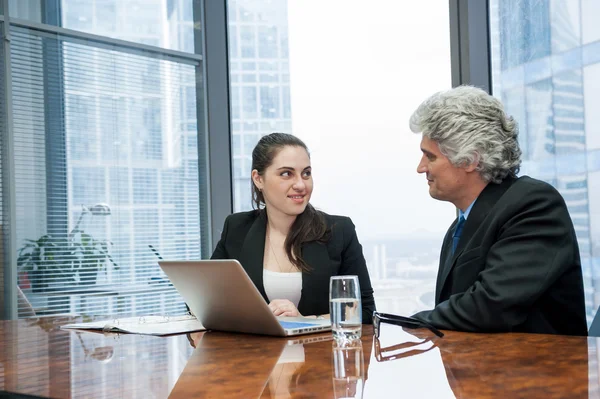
(286, 174)
(307, 173)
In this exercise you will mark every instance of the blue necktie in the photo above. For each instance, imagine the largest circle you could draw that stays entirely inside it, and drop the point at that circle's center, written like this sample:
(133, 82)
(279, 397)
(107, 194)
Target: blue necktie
(457, 233)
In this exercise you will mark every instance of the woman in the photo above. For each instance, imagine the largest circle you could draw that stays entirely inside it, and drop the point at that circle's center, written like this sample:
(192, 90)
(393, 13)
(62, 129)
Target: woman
(287, 247)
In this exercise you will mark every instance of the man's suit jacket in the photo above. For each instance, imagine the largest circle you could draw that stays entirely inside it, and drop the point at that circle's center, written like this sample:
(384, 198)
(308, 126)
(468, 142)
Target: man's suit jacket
(516, 266)
(243, 238)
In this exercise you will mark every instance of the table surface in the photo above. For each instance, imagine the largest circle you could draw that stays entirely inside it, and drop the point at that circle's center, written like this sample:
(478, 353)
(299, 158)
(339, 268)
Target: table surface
(38, 358)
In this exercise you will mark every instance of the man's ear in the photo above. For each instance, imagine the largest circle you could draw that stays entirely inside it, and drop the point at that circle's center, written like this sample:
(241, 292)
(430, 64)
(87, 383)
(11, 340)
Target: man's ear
(473, 165)
(257, 179)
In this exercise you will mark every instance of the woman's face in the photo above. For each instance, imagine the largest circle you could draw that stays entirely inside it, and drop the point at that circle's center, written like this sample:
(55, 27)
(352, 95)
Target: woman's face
(287, 183)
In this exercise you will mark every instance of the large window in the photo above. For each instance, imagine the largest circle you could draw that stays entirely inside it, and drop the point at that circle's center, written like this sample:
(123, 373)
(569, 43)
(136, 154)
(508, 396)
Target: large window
(106, 154)
(546, 69)
(348, 89)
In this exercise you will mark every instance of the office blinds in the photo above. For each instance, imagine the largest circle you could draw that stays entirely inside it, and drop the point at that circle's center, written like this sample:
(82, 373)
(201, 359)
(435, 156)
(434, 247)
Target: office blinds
(106, 172)
(3, 220)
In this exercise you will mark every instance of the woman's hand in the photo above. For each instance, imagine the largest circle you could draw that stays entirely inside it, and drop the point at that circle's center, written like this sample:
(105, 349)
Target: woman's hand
(283, 307)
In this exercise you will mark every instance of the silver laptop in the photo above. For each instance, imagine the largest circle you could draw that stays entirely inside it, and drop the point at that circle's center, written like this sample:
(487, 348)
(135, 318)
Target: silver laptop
(223, 298)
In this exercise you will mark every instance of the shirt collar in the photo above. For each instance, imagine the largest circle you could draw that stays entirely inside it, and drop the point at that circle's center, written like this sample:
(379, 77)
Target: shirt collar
(465, 214)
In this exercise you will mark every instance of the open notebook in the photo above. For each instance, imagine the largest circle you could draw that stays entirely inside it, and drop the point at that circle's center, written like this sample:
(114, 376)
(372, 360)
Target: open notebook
(146, 325)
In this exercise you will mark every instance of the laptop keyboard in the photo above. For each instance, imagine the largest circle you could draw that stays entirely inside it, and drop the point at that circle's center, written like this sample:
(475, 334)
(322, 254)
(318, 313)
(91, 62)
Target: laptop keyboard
(293, 324)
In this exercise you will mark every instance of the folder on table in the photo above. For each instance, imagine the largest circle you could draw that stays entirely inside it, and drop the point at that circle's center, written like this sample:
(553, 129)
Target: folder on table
(145, 325)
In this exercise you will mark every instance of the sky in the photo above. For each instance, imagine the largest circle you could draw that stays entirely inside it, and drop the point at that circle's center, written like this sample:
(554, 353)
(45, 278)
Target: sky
(357, 73)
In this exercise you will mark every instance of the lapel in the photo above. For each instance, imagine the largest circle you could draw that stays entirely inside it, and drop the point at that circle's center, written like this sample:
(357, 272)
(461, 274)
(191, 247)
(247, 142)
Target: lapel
(316, 281)
(253, 252)
(315, 254)
(444, 255)
(484, 203)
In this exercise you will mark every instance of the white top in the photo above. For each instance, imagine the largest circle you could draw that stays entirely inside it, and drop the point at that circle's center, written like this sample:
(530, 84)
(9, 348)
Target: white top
(283, 285)
(292, 354)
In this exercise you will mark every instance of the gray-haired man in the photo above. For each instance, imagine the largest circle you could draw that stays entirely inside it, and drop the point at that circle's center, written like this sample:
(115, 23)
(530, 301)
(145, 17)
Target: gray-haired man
(510, 261)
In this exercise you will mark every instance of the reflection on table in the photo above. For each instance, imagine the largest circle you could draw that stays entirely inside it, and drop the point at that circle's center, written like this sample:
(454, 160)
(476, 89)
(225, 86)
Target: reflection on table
(38, 358)
(98, 298)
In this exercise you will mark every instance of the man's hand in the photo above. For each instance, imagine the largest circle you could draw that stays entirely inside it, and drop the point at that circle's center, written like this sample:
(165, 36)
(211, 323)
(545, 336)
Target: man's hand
(283, 307)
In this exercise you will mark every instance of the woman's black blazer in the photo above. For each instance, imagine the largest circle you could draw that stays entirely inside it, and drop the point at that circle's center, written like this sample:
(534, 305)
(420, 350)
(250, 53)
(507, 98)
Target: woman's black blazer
(243, 239)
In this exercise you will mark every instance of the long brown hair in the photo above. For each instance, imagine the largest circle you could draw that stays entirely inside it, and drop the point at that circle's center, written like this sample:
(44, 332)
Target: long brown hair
(310, 225)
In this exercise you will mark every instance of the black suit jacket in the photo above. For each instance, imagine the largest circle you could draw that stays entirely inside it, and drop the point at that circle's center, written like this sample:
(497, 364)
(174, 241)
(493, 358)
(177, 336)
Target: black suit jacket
(243, 239)
(516, 266)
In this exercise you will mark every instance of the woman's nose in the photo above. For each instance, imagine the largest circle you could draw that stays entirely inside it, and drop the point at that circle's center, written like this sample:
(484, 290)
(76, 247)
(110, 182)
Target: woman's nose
(299, 184)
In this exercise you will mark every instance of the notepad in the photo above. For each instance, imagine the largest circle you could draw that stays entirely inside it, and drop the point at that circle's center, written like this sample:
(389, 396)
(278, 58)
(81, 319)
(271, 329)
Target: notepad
(145, 325)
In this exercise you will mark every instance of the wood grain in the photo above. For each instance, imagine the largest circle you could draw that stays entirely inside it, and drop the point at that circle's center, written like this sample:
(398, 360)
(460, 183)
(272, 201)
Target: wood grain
(38, 358)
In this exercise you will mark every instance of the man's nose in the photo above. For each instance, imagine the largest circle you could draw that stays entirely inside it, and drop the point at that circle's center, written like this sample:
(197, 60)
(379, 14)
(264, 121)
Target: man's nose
(422, 167)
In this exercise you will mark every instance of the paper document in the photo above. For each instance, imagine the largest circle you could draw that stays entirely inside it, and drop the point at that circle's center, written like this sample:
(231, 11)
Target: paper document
(147, 325)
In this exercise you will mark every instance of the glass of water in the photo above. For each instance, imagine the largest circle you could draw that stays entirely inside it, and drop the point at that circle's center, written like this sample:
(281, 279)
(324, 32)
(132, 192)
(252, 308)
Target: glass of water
(345, 309)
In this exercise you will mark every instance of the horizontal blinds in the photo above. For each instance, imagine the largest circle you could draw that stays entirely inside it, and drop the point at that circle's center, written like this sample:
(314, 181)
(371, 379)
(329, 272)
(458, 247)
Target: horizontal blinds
(106, 171)
(3, 215)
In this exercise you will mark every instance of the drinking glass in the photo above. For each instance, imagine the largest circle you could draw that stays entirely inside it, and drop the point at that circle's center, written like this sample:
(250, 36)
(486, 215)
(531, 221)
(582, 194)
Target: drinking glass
(345, 308)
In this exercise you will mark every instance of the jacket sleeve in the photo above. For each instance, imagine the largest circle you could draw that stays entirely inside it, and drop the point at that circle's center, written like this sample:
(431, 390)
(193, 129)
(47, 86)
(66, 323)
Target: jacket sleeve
(353, 263)
(534, 248)
(220, 251)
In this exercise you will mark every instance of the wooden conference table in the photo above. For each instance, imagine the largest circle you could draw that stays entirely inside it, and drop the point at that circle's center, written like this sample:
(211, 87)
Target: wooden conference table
(37, 358)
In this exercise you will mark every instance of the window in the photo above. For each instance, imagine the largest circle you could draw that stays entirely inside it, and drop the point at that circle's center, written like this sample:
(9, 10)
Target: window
(353, 89)
(80, 113)
(138, 21)
(269, 102)
(100, 160)
(233, 41)
(247, 40)
(249, 102)
(556, 106)
(267, 42)
(540, 74)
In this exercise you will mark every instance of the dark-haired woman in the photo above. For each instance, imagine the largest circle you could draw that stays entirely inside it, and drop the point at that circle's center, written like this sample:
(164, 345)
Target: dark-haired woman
(288, 248)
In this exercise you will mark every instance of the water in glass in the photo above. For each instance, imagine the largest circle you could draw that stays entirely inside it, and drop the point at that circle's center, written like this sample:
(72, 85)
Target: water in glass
(346, 318)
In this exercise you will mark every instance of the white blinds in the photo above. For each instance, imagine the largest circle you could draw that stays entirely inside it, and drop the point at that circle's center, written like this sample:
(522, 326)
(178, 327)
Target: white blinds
(3, 218)
(106, 166)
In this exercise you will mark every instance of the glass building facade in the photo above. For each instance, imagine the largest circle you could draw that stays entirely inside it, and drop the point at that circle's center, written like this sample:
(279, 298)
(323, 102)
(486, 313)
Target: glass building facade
(546, 70)
(260, 83)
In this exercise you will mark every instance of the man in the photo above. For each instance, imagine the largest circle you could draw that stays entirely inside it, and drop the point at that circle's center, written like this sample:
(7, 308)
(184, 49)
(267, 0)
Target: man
(510, 261)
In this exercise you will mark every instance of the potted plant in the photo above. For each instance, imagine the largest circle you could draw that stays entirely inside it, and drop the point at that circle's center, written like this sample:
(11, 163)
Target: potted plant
(90, 256)
(47, 256)
(76, 259)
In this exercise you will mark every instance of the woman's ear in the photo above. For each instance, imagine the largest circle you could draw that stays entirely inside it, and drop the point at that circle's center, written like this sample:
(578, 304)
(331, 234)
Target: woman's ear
(257, 179)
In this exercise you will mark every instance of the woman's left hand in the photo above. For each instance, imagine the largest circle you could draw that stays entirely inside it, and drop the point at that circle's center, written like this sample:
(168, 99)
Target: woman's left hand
(283, 307)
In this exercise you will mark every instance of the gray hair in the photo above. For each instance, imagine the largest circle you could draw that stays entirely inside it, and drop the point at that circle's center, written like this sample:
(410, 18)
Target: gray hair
(470, 126)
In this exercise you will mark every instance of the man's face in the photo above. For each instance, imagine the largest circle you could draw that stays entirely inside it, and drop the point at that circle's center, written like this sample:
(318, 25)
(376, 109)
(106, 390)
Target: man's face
(446, 181)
